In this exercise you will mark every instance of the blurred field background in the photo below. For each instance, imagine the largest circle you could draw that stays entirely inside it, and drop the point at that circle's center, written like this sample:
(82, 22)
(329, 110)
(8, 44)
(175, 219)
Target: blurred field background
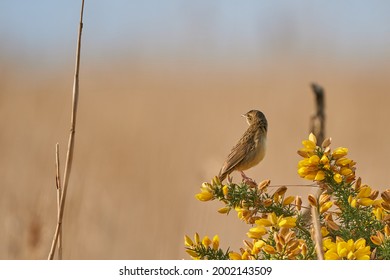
(163, 85)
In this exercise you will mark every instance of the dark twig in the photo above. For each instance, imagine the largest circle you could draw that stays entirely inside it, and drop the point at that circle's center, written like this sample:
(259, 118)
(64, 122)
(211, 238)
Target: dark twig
(317, 126)
(317, 123)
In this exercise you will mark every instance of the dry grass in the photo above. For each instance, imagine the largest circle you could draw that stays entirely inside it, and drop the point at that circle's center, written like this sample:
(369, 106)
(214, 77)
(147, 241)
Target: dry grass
(62, 189)
(150, 132)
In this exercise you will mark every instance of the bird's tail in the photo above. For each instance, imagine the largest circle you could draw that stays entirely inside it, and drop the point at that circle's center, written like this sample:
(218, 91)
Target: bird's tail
(222, 175)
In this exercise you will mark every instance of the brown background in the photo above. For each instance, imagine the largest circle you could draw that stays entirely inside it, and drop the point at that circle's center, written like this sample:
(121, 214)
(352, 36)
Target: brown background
(152, 128)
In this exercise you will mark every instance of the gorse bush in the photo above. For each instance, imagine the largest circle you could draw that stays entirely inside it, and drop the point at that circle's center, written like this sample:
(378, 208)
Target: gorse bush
(354, 219)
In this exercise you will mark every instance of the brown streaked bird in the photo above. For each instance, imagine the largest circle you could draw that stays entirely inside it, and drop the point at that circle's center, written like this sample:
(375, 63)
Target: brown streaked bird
(250, 149)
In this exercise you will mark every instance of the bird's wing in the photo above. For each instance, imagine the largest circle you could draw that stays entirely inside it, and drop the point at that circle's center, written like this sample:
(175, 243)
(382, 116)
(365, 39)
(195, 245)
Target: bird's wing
(237, 154)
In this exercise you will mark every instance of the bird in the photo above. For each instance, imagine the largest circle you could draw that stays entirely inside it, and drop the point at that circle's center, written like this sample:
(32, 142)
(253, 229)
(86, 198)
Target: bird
(250, 149)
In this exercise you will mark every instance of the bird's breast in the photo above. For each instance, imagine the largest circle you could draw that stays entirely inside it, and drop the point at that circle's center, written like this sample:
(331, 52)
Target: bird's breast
(255, 155)
(260, 148)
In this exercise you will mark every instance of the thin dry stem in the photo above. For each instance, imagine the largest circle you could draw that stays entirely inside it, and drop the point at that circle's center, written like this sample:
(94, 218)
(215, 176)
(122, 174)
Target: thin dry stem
(59, 193)
(317, 233)
(295, 185)
(69, 154)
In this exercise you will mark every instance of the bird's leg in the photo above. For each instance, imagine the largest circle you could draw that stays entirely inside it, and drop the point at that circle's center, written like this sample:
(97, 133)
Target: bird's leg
(247, 180)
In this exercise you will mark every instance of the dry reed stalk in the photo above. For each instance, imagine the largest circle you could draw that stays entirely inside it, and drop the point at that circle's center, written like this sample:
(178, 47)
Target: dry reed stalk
(317, 233)
(59, 193)
(69, 154)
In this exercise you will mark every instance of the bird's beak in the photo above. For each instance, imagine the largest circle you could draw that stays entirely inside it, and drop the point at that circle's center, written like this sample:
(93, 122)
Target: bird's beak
(243, 115)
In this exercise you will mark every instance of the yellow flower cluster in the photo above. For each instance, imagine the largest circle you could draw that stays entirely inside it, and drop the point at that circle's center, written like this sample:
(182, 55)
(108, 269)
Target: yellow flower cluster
(379, 238)
(324, 203)
(319, 163)
(285, 246)
(381, 213)
(250, 215)
(272, 221)
(194, 247)
(365, 197)
(335, 174)
(354, 220)
(346, 250)
(206, 192)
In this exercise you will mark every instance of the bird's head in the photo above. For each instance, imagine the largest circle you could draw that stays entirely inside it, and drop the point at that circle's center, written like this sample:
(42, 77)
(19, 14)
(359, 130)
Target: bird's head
(254, 117)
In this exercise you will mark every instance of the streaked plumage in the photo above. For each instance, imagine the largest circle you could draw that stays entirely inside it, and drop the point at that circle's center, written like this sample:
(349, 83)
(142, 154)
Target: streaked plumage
(250, 149)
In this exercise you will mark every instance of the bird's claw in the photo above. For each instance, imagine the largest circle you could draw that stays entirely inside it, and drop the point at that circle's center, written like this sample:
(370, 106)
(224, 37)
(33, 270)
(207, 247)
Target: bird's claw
(247, 180)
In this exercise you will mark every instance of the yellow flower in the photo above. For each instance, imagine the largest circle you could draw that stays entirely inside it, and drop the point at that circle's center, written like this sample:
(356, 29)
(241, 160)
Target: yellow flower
(196, 238)
(192, 253)
(204, 196)
(325, 162)
(324, 231)
(225, 190)
(257, 232)
(245, 255)
(187, 241)
(352, 201)
(308, 148)
(287, 222)
(319, 176)
(264, 222)
(343, 161)
(364, 198)
(206, 187)
(349, 250)
(272, 218)
(338, 178)
(215, 242)
(362, 251)
(345, 171)
(364, 191)
(314, 160)
(257, 246)
(224, 210)
(288, 200)
(310, 168)
(339, 153)
(206, 192)
(378, 212)
(242, 213)
(277, 221)
(325, 207)
(318, 163)
(206, 241)
(365, 201)
(235, 256)
(216, 181)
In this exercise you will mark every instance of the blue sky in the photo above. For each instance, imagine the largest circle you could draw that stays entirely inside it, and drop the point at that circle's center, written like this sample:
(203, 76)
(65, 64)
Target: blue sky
(202, 27)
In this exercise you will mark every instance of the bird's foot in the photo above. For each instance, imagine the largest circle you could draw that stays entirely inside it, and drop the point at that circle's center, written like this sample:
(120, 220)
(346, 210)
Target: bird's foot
(247, 180)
